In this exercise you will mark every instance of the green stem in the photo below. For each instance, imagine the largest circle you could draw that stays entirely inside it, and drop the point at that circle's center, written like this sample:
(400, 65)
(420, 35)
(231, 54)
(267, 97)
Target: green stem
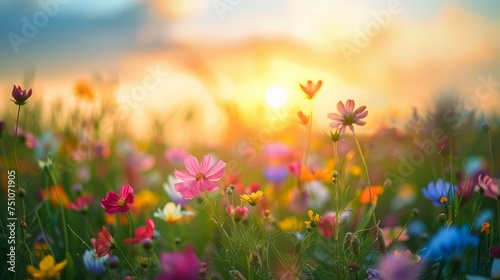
(131, 236)
(17, 182)
(214, 218)
(372, 212)
(492, 158)
(61, 208)
(401, 232)
(125, 258)
(267, 237)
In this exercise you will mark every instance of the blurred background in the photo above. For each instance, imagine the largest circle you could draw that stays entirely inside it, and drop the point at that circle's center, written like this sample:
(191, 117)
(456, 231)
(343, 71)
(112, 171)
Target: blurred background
(224, 64)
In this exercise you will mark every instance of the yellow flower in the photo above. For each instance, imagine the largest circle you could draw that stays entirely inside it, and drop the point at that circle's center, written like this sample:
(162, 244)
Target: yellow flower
(145, 200)
(252, 198)
(171, 213)
(290, 224)
(313, 219)
(48, 268)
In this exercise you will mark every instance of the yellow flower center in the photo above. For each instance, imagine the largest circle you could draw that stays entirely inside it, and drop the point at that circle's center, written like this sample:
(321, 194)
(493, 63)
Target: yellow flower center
(443, 199)
(200, 176)
(121, 202)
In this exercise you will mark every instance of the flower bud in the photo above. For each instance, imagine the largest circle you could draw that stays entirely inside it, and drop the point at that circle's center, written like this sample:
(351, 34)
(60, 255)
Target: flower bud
(113, 262)
(485, 127)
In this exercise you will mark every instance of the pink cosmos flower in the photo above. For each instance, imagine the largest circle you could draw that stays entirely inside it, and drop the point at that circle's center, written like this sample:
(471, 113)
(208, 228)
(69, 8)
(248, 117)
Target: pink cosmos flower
(488, 186)
(82, 203)
(179, 265)
(118, 204)
(199, 177)
(142, 233)
(348, 116)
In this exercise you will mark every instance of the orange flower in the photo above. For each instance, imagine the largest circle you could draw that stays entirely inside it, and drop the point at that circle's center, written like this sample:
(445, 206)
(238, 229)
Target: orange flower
(306, 175)
(303, 118)
(375, 192)
(486, 228)
(51, 195)
(310, 89)
(84, 90)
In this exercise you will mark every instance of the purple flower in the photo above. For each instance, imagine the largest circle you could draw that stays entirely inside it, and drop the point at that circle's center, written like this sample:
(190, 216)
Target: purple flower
(439, 192)
(276, 174)
(348, 116)
(179, 265)
(401, 266)
(20, 96)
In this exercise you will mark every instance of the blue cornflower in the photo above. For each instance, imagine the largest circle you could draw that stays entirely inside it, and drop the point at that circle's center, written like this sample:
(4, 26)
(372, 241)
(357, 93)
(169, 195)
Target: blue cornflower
(449, 243)
(435, 192)
(94, 265)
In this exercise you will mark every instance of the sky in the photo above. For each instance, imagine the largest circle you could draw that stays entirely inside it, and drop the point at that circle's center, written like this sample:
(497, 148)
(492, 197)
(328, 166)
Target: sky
(388, 55)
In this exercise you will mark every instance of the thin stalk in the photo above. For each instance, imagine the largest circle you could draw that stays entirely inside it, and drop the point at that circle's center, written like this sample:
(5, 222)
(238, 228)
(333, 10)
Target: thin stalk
(61, 208)
(124, 257)
(131, 236)
(492, 158)
(267, 237)
(19, 217)
(401, 232)
(372, 212)
(214, 218)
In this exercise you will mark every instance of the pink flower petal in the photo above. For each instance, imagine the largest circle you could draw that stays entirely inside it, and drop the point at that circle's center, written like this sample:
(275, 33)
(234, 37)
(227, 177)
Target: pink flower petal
(360, 123)
(181, 175)
(186, 188)
(359, 110)
(216, 172)
(192, 165)
(335, 117)
(349, 106)
(341, 108)
(211, 186)
(205, 164)
(126, 189)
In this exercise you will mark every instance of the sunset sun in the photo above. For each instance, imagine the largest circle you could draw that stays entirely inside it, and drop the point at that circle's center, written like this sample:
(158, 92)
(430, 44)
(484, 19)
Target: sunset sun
(276, 97)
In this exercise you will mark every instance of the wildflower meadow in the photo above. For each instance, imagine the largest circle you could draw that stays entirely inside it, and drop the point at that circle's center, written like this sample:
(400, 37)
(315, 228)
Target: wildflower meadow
(415, 202)
(249, 140)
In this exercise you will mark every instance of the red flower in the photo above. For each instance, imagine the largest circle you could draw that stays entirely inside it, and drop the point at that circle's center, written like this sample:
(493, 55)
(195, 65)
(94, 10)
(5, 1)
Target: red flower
(311, 89)
(142, 233)
(118, 204)
(104, 244)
